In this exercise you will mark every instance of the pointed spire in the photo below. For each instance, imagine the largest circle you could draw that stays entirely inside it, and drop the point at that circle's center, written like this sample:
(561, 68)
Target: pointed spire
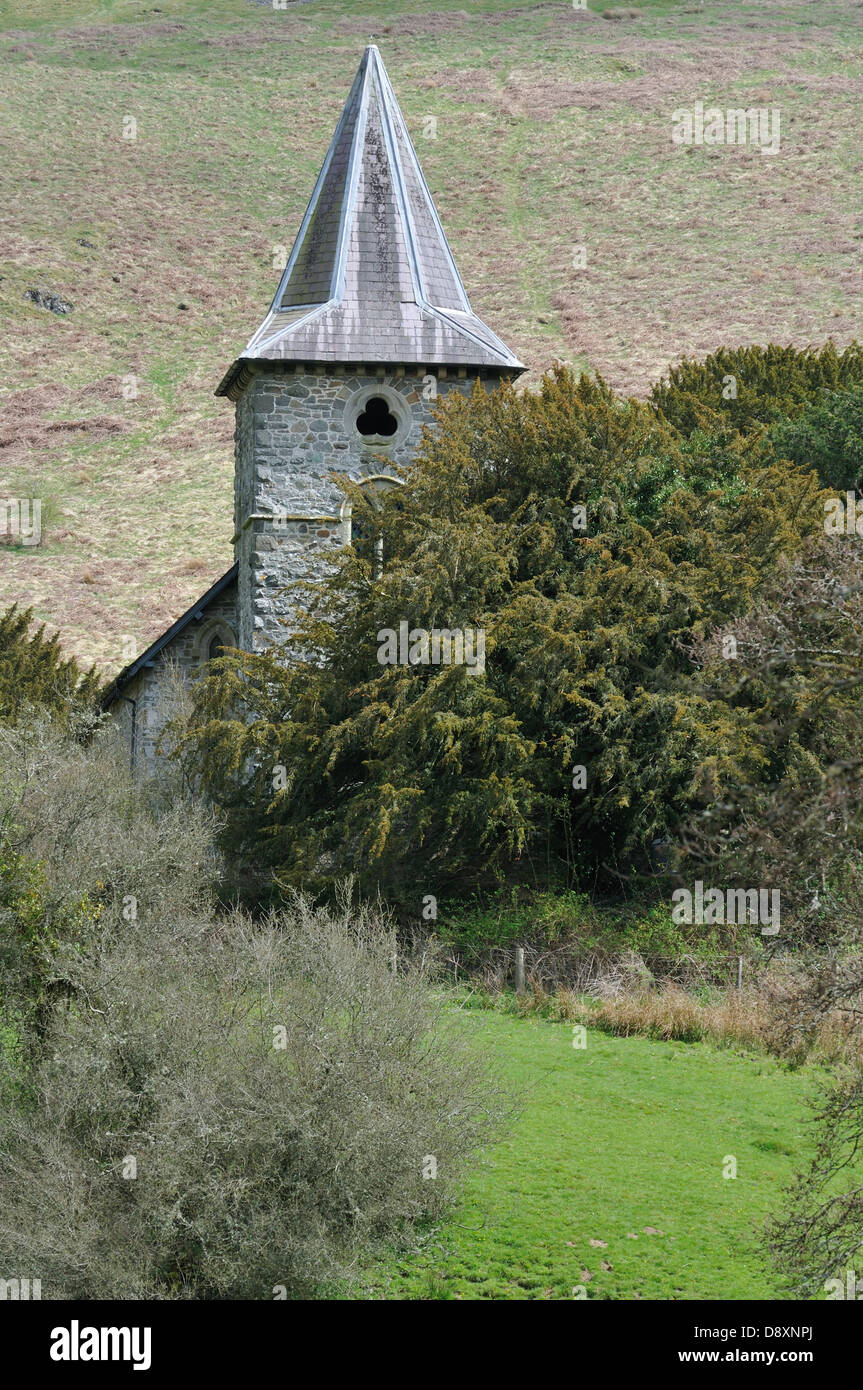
(371, 277)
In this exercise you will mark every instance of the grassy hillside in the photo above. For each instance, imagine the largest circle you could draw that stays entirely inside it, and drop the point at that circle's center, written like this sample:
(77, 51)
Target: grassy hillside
(613, 1179)
(553, 132)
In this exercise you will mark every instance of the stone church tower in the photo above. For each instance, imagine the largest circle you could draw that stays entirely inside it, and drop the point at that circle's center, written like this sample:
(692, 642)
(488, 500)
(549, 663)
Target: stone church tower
(370, 322)
(370, 319)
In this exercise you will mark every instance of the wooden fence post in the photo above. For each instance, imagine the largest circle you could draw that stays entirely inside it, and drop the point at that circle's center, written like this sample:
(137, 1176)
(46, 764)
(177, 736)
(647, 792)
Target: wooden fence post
(739, 974)
(519, 970)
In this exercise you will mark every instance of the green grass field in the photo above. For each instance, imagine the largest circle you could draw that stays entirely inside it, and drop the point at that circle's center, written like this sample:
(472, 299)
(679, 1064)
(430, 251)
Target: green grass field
(612, 1177)
(552, 131)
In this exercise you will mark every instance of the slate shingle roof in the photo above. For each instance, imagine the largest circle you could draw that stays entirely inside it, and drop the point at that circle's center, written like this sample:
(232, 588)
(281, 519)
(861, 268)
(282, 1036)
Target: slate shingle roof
(371, 277)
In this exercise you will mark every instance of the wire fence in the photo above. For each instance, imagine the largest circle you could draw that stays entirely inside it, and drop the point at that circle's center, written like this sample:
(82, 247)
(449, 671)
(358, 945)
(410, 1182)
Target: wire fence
(595, 971)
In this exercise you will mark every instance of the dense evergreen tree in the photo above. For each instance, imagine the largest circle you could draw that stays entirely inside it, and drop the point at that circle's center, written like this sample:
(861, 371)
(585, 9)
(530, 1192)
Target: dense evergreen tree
(751, 386)
(431, 776)
(33, 670)
(827, 435)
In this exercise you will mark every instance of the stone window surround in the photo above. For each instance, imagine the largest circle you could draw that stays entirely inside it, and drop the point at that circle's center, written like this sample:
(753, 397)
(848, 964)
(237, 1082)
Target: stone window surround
(346, 509)
(210, 628)
(356, 404)
(279, 519)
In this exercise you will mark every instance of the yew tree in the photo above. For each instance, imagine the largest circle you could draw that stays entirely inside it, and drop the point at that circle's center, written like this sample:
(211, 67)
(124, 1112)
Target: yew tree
(591, 543)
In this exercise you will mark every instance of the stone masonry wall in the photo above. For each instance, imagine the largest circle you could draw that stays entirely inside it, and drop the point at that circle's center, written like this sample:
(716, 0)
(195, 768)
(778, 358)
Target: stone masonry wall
(293, 430)
(147, 702)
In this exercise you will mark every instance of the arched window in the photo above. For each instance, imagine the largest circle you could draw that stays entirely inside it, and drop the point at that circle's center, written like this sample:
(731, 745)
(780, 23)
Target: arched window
(212, 640)
(362, 532)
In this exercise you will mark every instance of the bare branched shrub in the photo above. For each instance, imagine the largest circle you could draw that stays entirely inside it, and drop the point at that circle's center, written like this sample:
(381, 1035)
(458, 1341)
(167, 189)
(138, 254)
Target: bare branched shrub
(818, 1235)
(798, 671)
(74, 807)
(220, 1108)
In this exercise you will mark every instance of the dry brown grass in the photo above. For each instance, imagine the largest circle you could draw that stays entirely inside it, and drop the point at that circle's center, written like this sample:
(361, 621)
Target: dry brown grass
(674, 1013)
(747, 1019)
(554, 131)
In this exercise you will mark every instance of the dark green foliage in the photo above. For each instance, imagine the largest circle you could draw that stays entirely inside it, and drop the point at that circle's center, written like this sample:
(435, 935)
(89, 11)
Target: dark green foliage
(33, 670)
(770, 384)
(828, 436)
(425, 778)
(641, 923)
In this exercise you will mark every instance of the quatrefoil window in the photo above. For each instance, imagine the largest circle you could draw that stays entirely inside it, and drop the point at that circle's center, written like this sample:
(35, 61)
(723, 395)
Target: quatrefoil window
(377, 419)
